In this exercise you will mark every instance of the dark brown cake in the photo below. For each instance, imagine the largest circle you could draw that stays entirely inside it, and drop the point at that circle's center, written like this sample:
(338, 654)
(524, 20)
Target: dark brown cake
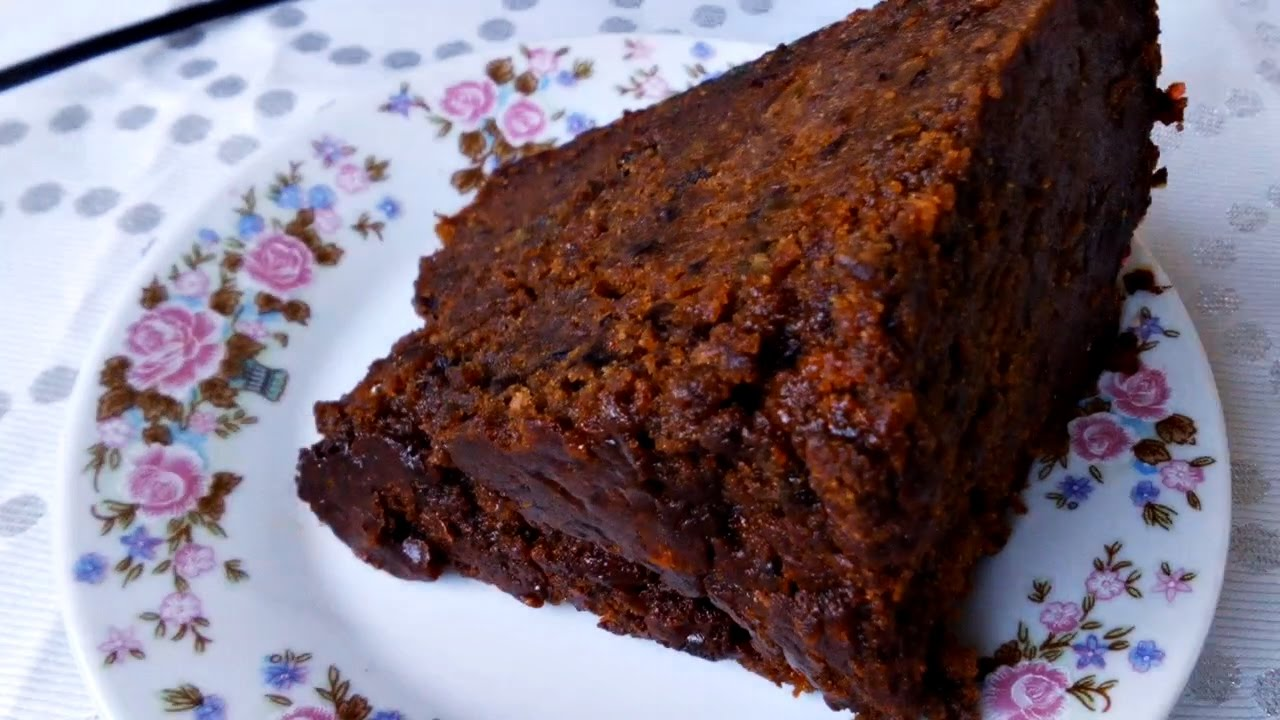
(756, 372)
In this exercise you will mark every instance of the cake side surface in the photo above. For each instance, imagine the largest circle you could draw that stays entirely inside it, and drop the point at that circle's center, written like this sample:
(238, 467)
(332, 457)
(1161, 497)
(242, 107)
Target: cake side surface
(786, 359)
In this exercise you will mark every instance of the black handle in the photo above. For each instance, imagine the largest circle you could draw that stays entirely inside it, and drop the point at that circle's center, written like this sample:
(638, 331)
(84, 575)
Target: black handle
(109, 42)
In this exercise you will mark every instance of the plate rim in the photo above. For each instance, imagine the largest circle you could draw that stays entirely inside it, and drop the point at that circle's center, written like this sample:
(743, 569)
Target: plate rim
(74, 430)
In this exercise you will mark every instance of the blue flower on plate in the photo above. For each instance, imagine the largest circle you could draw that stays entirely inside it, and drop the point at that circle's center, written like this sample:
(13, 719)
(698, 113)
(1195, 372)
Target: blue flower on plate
(212, 708)
(140, 544)
(1149, 328)
(208, 236)
(290, 197)
(1075, 489)
(566, 78)
(1146, 655)
(578, 123)
(390, 207)
(322, 197)
(281, 673)
(190, 439)
(250, 225)
(1144, 492)
(1090, 652)
(703, 50)
(90, 568)
(400, 103)
(387, 715)
(1144, 468)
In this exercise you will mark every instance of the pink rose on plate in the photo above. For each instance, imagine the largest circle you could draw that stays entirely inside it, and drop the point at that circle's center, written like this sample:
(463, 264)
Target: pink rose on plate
(328, 221)
(115, 433)
(253, 328)
(523, 120)
(192, 283)
(469, 101)
(307, 713)
(1027, 691)
(1181, 475)
(280, 262)
(543, 61)
(180, 608)
(193, 560)
(166, 480)
(352, 179)
(172, 347)
(654, 87)
(1105, 584)
(1061, 617)
(1142, 395)
(1099, 437)
(202, 422)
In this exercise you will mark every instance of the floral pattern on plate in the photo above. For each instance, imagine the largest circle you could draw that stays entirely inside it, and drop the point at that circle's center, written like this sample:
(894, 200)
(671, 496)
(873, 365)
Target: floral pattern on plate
(503, 116)
(650, 82)
(203, 358)
(1130, 426)
(1028, 677)
(499, 117)
(187, 368)
(285, 676)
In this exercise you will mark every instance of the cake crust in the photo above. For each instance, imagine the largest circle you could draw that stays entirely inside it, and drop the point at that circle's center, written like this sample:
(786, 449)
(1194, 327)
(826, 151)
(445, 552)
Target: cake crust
(757, 372)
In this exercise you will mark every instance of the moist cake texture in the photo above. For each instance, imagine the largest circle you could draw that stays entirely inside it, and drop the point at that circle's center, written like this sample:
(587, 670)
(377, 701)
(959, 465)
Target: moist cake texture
(757, 372)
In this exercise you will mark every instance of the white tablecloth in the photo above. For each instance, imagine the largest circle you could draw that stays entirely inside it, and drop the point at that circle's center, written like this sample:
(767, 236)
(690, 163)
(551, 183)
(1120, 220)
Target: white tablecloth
(100, 161)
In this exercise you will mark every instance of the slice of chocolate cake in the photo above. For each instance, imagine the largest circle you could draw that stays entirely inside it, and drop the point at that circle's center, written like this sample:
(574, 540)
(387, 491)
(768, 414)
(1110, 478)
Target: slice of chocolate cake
(760, 377)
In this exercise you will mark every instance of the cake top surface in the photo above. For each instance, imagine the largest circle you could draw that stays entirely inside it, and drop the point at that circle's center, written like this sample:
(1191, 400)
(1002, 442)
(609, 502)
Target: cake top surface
(671, 275)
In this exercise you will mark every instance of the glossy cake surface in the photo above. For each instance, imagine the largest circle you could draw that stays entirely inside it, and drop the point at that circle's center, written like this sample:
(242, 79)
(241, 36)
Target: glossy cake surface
(757, 372)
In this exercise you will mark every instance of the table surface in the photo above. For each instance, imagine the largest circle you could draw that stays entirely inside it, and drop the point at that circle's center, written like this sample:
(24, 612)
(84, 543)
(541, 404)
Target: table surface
(99, 162)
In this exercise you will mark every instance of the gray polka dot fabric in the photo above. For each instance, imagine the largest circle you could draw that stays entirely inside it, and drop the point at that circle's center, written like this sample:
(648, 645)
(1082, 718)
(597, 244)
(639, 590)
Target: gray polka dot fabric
(97, 201)
(617, 25)
(497, 29)
(1266, 692)
(185, 39)
(53, 384)
(11, 131)
(287, 17)
(190, 129)
(350, 55)
(709, 16)
(452, 49)
(69, 119)
(41, 198)
(1216, 678)
(115, 154)
(401, 59)
(18, 514)
(236, 148)
(226, 86)
(136, 117)
(309, 42)
(140, 218)
(196, 68)
(275, 103)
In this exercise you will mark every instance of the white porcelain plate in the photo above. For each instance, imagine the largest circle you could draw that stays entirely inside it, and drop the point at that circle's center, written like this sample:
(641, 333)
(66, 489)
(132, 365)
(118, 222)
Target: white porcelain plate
(198, 587)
